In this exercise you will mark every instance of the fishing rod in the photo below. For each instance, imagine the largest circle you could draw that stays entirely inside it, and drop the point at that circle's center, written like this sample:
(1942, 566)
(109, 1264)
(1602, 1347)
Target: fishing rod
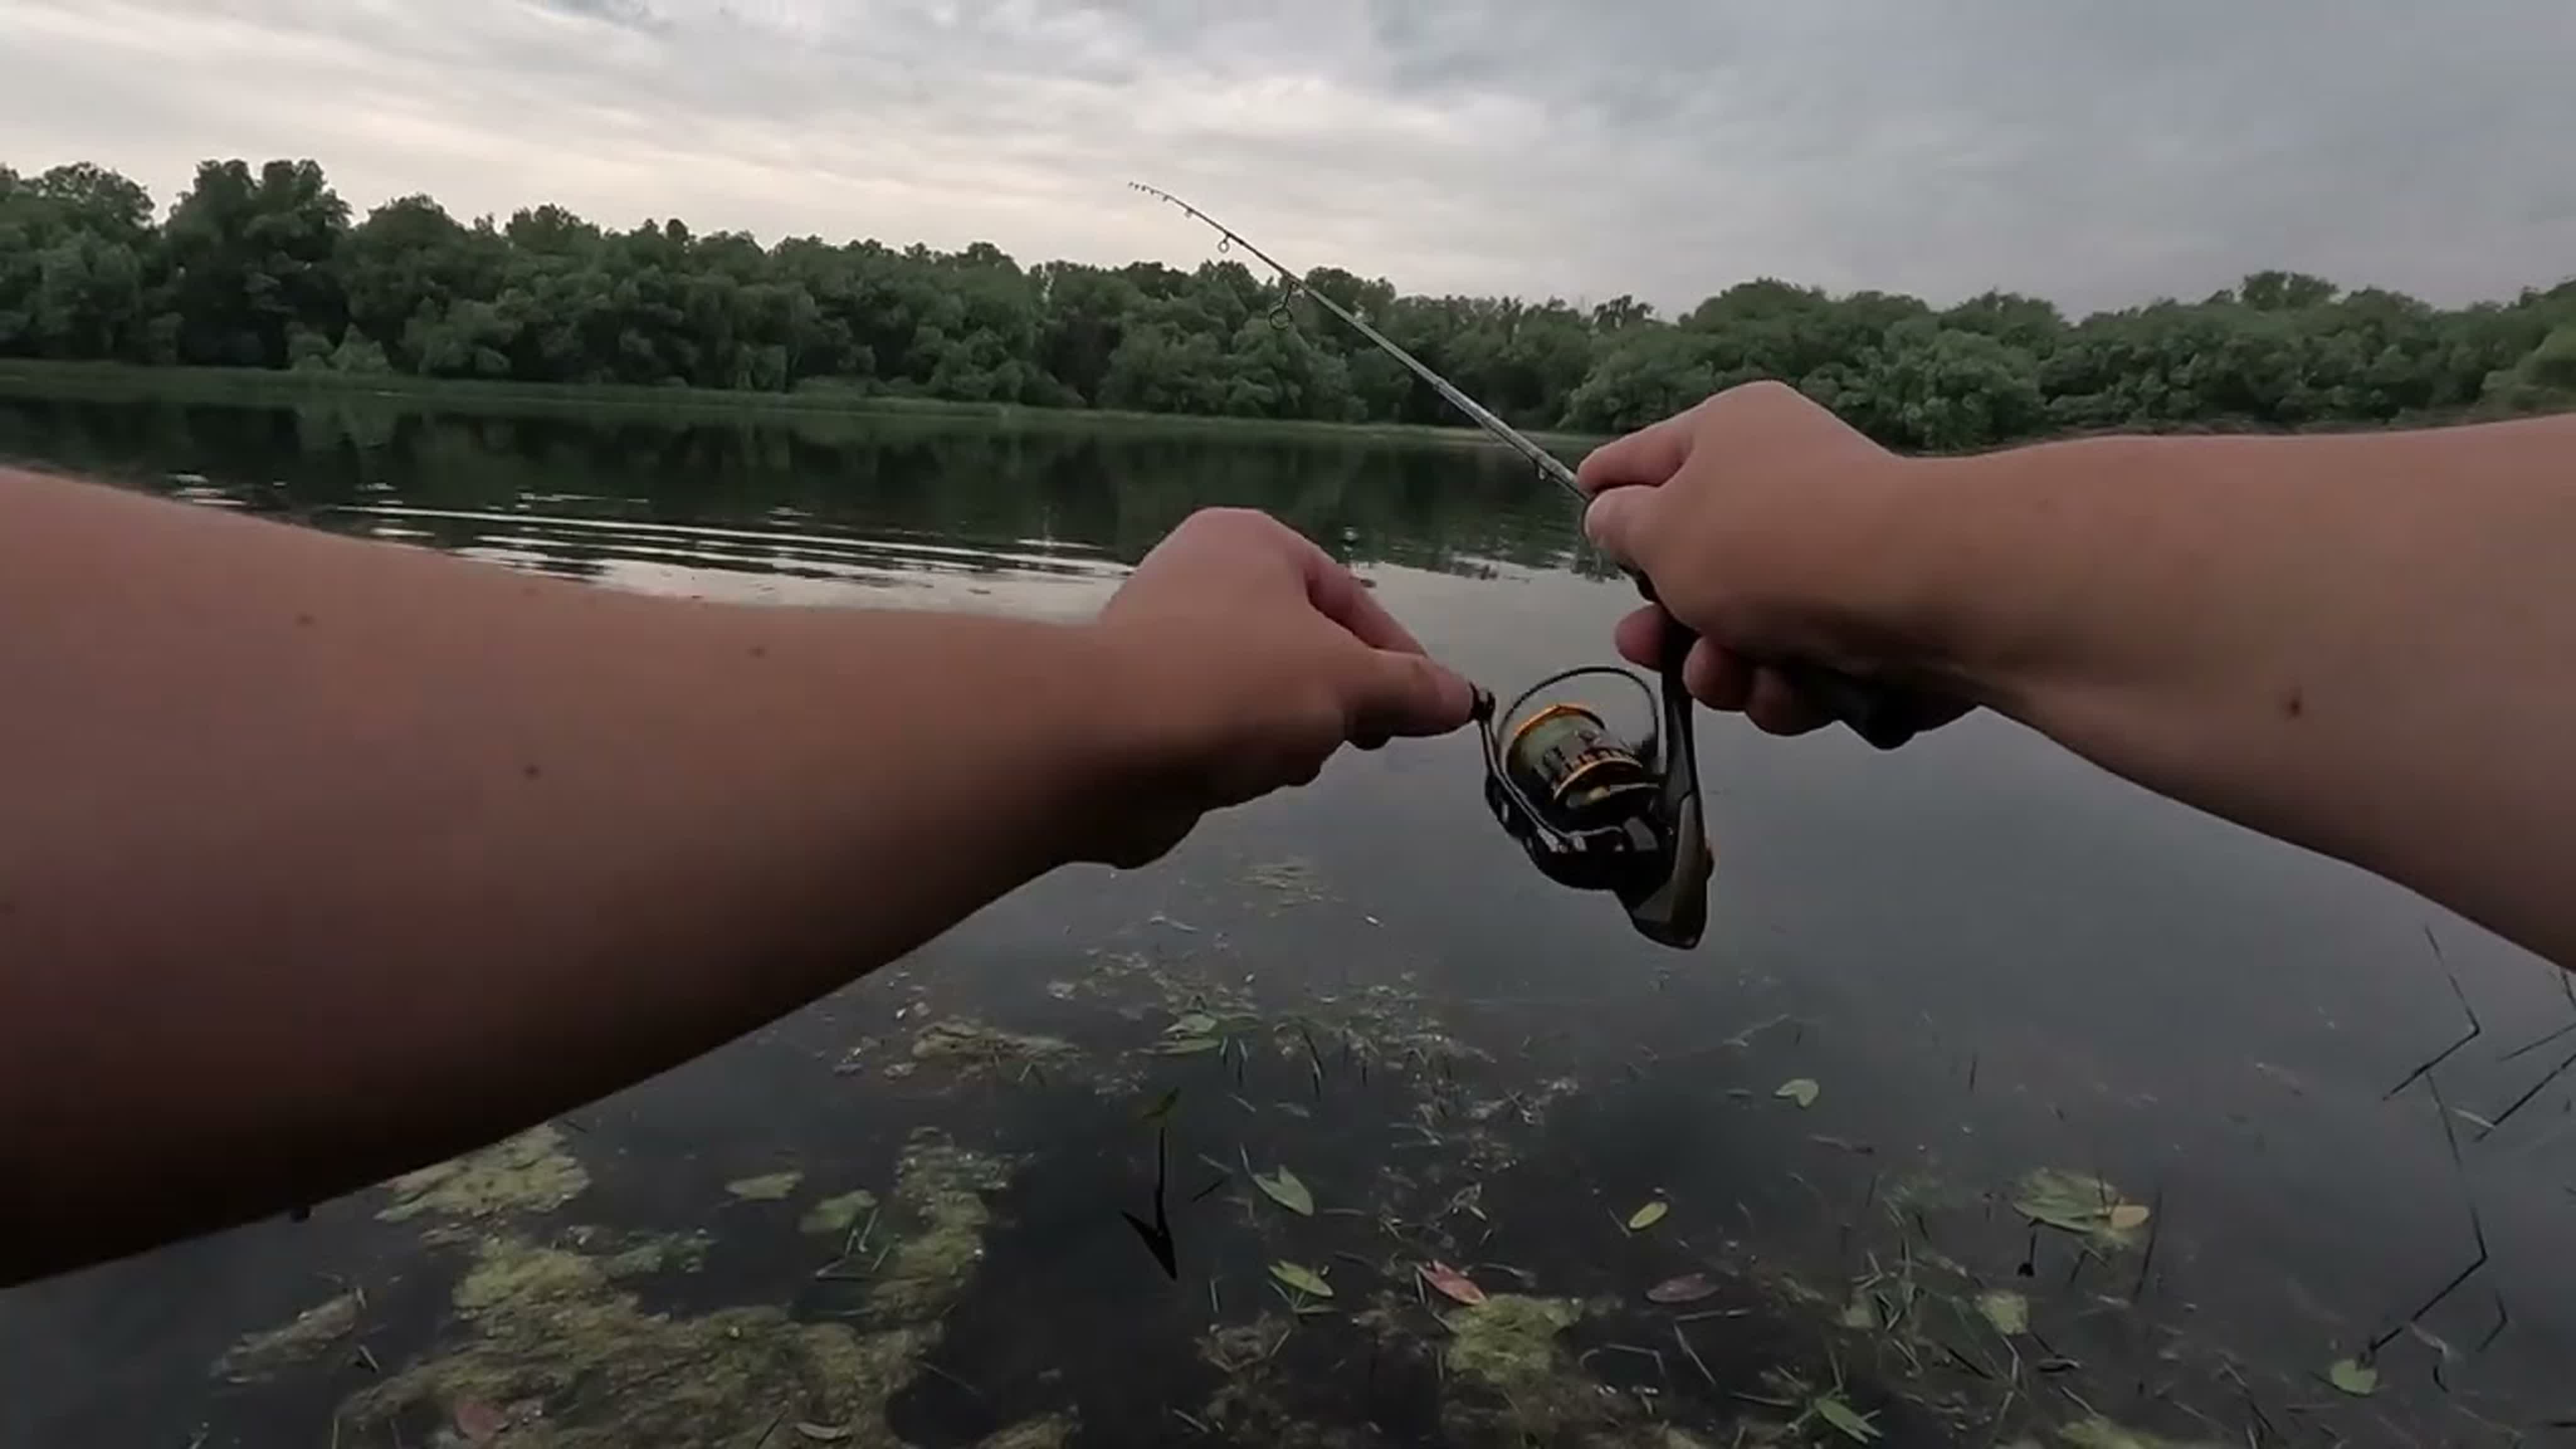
(1548, 464)
(1592, 810)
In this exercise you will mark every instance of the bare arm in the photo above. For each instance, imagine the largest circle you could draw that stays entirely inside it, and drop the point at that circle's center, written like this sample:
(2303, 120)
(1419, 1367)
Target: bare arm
(2365, 644)
(322, 859)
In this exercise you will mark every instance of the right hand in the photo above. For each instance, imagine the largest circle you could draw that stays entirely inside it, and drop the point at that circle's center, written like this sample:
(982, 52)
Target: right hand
(1764, 524)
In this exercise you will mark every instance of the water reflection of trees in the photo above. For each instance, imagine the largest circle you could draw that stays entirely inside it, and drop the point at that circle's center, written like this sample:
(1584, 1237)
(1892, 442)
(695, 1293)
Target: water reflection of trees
(1434, 504)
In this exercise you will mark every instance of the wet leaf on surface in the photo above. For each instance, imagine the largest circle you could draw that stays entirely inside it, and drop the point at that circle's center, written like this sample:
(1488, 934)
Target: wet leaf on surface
(1162, 1106)
(1187, 1046)
(2352, 1376)
(1851, 1423)
(1859, 1314)
(1304, 1279)
(2008, 1312)
(1283, 1188)
(768, 1187)
(824, 1433)
(2075, 1202)
(1688, 1288)
(1649, 1215)
(1452, 1284)
(1196, 1023)
(1801, 1090)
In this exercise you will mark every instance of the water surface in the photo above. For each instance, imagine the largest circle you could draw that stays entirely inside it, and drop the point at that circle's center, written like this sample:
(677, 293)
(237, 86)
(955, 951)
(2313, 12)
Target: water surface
(1990, 960)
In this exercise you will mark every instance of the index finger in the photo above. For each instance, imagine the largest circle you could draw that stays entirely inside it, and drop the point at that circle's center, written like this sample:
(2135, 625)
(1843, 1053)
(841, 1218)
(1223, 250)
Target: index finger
(1338, 595)
(1649, 456)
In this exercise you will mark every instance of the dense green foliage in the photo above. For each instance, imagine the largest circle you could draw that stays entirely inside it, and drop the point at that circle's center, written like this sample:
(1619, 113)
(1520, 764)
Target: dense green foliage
(268, 269)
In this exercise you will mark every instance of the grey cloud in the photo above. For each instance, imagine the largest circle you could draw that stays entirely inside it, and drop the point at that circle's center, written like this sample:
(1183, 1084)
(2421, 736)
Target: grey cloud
(631, 13)
(2095, 151)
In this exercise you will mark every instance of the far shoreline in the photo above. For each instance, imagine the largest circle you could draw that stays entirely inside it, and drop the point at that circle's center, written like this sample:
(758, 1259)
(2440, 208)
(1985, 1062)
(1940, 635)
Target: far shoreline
(111, 381)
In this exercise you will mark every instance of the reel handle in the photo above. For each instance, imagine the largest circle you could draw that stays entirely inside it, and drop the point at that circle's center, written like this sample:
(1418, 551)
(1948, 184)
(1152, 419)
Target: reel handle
(1884, 715)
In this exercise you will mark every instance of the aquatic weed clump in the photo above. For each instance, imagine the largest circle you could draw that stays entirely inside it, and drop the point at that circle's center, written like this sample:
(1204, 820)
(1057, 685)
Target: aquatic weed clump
(532, 1172)
(553, 1346)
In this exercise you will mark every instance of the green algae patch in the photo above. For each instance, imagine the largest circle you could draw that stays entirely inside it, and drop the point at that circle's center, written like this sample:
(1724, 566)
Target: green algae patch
(660, 1253)
(939, 1222)
(529, 1173)
(1508, 1353)
(968, 1046)
(556, 1333)
(551, 1330)
(768, 1187)
(297, 1341)
(836, 1214)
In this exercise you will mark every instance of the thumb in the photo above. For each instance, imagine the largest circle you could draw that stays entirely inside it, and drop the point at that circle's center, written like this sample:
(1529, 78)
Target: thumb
(1622, 521)
(1397, 693)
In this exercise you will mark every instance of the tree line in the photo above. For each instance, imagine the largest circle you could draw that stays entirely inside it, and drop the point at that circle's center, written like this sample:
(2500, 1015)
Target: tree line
(267, 268)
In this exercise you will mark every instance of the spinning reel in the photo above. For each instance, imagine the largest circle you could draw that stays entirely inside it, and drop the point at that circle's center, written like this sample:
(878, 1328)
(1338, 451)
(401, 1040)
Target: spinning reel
(1597, 812)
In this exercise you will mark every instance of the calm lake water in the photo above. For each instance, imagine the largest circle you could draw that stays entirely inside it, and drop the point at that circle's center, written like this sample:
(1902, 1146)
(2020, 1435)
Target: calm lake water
(2021, 989)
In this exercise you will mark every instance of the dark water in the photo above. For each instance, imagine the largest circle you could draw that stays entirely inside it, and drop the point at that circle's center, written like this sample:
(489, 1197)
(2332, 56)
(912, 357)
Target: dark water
(1989, 958)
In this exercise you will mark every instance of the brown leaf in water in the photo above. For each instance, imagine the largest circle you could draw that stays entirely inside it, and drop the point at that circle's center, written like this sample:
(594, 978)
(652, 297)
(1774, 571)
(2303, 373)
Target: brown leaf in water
(478, 1421)
(1452, 1284)
(1688, 1288)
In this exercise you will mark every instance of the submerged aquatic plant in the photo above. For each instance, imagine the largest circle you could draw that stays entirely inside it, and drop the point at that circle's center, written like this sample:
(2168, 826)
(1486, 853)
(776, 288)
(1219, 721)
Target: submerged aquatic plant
(562, 1336)
(258, 1355)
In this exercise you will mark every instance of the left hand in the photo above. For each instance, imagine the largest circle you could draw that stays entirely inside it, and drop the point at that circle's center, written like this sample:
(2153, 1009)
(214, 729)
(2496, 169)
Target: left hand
(1248, 657)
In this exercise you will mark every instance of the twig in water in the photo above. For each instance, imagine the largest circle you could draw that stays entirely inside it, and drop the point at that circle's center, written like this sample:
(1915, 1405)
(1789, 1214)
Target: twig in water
(2503, 1321)
(937, 1372)
(2476, 1027)
(1696, 1361)
(2477, 1224)
(2155, 1230)
(2525, 1099)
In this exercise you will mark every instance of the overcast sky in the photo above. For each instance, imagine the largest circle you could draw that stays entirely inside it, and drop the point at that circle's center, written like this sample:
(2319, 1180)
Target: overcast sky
(2098, 152)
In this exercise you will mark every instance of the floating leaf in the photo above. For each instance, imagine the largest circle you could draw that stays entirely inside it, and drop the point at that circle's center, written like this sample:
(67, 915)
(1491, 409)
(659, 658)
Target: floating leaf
(1197, 1023)
(1649, 1215)
(1284, 1189)
(1801, 1090)
(2008, 1312)
(1453, 1285)
(1688, 1288)
(2354, 1377)
(1305, 1280)
(1854, 1425)
(1187, 1046)
(824, 1433)
(2075, 1203)
(769, 1187)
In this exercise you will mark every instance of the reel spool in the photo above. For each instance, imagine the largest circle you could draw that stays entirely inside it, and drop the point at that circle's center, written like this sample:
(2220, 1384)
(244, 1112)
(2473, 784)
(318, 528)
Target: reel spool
(1596, 811)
